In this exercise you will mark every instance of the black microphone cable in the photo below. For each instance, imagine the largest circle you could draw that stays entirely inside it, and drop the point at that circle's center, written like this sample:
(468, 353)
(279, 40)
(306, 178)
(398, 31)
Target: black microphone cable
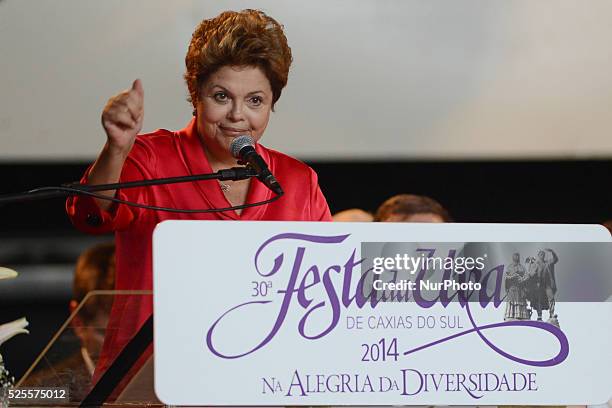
(76, 190)
(235, 173)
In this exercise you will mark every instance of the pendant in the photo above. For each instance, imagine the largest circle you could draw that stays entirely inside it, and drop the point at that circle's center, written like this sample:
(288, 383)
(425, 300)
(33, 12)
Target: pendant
(224, 187)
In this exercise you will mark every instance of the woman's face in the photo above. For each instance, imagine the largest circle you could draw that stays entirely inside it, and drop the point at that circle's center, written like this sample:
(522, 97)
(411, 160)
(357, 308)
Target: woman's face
(234, 101)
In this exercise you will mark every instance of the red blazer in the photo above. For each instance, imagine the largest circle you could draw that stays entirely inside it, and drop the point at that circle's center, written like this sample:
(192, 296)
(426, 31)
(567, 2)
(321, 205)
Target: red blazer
(167, 154)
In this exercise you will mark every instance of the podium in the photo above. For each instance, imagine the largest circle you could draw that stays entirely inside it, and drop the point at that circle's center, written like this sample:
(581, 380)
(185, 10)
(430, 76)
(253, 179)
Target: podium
(306, 329)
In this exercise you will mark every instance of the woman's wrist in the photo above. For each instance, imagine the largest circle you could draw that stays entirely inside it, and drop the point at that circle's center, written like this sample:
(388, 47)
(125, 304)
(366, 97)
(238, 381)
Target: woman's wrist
(116, 152)
(107, 168)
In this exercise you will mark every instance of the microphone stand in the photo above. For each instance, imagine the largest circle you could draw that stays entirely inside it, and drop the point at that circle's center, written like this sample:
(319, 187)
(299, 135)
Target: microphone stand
(234, 173)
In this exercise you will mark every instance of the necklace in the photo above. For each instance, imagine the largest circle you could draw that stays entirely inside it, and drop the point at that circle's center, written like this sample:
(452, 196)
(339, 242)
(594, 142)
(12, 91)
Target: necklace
(224, 187)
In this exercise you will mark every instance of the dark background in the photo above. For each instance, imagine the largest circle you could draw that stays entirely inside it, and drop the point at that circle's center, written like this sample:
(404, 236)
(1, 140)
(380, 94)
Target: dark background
(553, 191)
(536, 191)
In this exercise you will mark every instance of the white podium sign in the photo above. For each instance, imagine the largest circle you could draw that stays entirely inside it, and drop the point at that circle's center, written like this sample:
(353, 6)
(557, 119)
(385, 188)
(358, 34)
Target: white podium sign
(296, 313)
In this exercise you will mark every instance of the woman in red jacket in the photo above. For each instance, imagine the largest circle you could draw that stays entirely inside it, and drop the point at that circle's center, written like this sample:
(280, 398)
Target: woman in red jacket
(236, 67)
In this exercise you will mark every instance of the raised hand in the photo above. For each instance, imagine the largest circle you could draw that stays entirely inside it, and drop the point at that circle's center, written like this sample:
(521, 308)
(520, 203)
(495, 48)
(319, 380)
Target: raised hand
(122, 118)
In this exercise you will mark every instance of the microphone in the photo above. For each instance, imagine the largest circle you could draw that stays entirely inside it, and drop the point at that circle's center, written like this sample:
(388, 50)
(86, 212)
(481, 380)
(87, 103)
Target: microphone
(243, 148)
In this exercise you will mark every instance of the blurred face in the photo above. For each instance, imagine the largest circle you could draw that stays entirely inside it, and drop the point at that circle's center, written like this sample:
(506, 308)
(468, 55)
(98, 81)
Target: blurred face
(419, 217)
(541, 255)
(516, 258)
(234, 101)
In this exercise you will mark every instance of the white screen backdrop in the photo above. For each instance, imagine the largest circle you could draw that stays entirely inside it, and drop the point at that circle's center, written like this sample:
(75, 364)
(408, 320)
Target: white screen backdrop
(401, 79)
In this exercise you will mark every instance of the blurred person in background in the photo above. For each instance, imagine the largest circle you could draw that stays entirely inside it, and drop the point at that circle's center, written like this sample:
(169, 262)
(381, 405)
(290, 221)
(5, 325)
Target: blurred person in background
(72, 359)
(411, 208)
(353, 215)
(95, 270)
(608, 225)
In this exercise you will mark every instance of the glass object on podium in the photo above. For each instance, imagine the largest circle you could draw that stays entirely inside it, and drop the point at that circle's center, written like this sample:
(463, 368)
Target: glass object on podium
(71, 360)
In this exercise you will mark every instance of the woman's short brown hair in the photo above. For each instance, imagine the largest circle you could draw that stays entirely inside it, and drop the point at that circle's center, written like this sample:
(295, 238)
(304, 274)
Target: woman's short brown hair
(245, 38)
